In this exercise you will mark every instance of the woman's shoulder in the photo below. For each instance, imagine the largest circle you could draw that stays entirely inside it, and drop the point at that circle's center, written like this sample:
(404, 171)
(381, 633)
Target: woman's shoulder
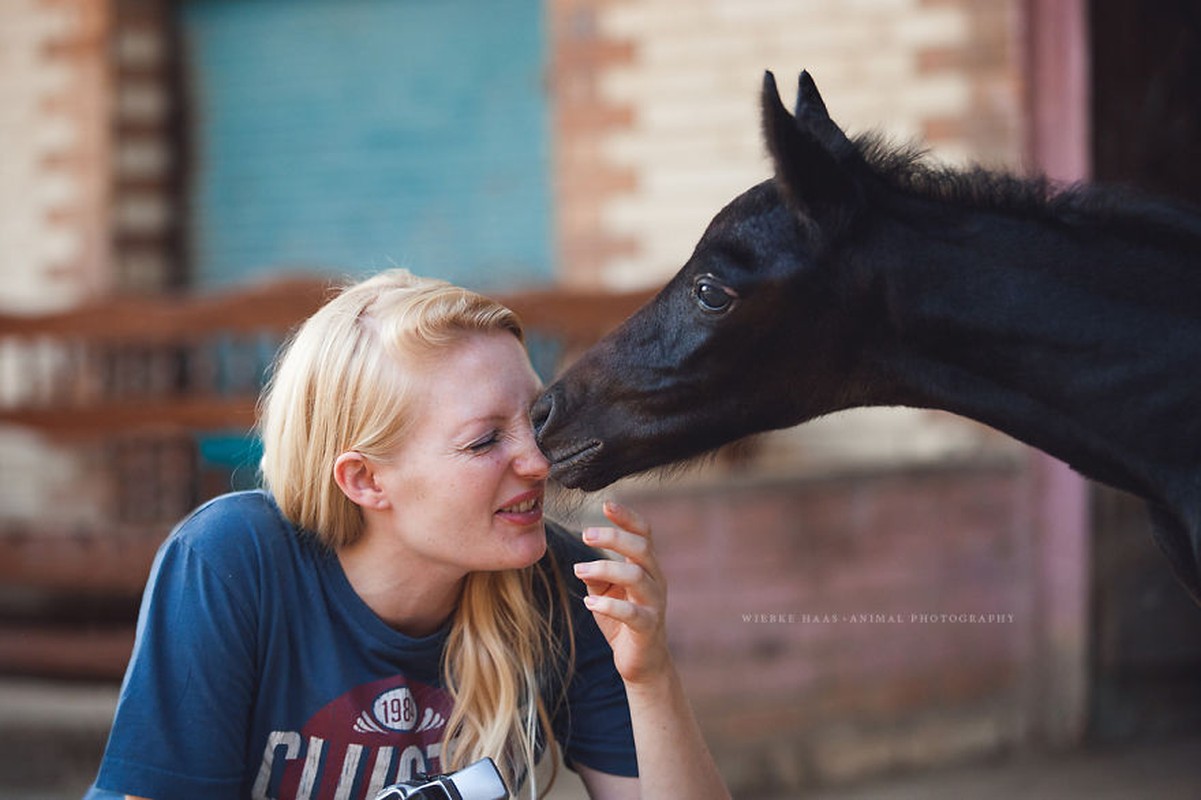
(249, 509)
(232, 528)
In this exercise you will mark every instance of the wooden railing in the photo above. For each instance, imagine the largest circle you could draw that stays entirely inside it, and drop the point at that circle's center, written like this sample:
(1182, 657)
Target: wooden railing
(140, 386)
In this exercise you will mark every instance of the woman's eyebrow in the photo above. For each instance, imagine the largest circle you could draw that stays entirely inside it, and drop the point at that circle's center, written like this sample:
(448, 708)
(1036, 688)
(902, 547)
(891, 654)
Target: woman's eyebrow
(483, 419)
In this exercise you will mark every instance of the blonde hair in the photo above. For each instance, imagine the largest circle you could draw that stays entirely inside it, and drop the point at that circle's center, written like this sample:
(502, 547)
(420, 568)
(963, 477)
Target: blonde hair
(341, 384)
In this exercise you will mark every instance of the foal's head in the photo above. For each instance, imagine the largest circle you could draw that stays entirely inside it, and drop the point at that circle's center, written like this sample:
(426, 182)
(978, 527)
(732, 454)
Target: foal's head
(757, 331)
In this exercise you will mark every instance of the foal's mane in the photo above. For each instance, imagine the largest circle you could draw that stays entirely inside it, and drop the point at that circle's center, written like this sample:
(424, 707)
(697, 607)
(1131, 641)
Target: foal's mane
(907, 169)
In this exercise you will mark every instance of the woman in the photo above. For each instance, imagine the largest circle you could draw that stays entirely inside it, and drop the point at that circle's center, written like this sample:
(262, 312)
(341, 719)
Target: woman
(394, 603)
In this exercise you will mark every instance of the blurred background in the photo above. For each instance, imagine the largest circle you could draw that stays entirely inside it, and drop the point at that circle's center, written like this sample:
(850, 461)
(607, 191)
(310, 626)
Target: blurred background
(882, 594)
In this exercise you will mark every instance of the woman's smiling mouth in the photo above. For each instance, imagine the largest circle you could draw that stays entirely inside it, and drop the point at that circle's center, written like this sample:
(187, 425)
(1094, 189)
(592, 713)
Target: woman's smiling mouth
(524, 509)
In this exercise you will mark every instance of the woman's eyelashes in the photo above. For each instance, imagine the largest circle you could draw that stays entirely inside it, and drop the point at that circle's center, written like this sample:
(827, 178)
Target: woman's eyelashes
(485, 442)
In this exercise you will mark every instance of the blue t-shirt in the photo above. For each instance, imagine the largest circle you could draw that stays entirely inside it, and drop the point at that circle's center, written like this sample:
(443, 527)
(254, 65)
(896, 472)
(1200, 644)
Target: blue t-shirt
(259, 672)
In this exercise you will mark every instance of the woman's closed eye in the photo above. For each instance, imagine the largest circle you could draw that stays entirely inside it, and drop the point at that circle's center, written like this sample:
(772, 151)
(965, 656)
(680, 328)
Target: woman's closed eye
(484, 443)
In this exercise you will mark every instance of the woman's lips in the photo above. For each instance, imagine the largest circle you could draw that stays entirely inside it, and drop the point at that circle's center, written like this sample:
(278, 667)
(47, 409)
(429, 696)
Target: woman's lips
(524, 509)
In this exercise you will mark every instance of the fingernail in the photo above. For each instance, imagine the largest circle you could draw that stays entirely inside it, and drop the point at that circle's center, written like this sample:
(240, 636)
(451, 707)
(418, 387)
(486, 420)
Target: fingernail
(589, 601)
(590, 534)
(583, 568)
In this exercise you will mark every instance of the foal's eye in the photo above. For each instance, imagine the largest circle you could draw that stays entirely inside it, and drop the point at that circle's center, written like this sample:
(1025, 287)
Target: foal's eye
(712, 295)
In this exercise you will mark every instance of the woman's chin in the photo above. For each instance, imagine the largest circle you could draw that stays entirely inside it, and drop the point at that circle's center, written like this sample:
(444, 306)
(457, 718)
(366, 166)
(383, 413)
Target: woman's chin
(524, 548)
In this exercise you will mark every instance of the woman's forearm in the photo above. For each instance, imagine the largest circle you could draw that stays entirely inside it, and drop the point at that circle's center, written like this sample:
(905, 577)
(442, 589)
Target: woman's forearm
(673, 759)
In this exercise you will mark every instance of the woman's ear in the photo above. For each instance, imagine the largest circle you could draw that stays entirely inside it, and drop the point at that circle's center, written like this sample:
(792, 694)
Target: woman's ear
(356, 477)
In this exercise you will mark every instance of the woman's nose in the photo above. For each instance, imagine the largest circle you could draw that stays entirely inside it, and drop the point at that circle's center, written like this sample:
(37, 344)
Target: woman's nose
(530, 462)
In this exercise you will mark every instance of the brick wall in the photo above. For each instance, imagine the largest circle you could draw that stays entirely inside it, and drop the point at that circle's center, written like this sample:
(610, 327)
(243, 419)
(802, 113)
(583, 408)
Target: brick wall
(89, 200)
(585, 179)
(807, 618)
(53, 133)
(54, 206)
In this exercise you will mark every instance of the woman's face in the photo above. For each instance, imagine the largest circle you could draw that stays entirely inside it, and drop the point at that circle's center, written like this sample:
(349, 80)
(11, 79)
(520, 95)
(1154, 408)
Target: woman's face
(465, 489)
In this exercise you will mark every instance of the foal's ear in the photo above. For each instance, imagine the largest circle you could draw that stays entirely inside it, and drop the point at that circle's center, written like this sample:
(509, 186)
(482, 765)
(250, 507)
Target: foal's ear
(810, 153)
(811, 110)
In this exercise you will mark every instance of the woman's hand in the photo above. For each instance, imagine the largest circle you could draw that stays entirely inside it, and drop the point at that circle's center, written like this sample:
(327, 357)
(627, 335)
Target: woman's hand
(629, 601)
(628, 598)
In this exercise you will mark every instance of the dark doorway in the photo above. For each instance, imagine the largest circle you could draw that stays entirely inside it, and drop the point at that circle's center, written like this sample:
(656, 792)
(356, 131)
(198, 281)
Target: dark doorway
(1146, 123)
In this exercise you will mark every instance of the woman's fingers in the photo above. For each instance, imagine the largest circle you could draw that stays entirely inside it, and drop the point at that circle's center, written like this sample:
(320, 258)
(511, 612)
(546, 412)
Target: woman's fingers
(637, 617)
(631, 546)
(639, 574)
(625, 574)
(631, 539)
(616, 579)
(626, 518)
(628, 598)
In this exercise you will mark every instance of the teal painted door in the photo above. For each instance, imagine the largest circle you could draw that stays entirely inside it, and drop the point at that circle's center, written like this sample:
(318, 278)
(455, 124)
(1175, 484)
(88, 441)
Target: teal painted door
(354, 135)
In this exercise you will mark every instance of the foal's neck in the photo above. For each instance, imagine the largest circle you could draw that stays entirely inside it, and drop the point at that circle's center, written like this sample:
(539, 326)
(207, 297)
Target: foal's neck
(1078, 339)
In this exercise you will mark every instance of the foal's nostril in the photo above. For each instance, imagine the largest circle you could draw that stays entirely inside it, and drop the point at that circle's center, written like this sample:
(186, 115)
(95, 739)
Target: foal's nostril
(541, 412)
